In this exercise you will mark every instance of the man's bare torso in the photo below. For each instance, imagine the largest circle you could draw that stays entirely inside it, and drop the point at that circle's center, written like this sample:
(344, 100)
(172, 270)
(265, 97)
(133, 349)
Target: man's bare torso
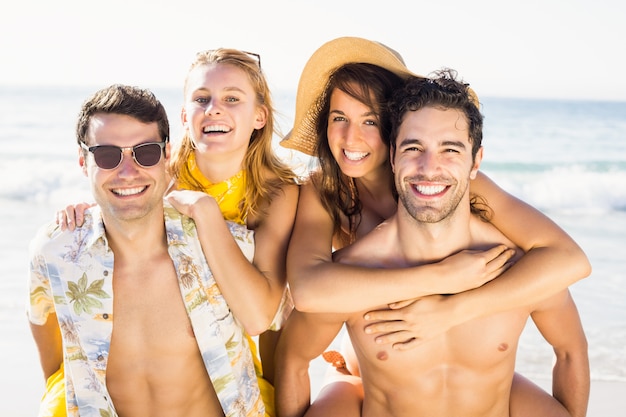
(466, 371)
(155, 367)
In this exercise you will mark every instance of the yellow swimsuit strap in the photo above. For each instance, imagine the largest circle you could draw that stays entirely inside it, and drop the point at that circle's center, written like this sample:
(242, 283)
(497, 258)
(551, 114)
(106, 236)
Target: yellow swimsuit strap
(229, 194)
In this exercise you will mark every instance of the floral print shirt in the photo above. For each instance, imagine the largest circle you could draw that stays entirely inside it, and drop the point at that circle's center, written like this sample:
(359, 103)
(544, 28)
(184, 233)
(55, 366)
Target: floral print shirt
(71, 275)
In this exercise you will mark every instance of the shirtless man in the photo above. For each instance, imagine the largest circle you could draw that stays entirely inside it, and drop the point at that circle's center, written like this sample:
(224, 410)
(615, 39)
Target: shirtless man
(127, 302)
(468, 370)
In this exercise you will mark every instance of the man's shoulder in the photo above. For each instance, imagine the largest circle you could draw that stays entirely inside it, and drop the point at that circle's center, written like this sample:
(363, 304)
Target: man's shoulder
(182, 230)
(374, 249)
(485, 235)
(50, 236)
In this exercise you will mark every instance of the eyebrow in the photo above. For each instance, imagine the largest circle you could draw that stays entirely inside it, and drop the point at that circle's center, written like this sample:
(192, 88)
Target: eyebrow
(455, 143)
(366, 114)
(412, 141)
(234, 88)
(207, 91)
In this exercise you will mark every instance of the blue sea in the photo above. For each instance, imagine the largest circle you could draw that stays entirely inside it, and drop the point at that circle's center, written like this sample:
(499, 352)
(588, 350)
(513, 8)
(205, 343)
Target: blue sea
(567, 158)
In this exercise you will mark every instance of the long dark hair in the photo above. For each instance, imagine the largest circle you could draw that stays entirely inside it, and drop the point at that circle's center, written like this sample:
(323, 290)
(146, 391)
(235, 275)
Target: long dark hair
(373, 86)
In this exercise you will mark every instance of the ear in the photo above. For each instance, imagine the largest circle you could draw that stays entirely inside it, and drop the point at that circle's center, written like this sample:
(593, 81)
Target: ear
(81, 161)
(261, 117)
(392, 156)
(477, 160)
(183, 117)
(167, 152)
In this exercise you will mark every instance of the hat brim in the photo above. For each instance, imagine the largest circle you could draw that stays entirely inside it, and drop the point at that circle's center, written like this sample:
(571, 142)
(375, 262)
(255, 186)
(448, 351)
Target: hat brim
(316, 73)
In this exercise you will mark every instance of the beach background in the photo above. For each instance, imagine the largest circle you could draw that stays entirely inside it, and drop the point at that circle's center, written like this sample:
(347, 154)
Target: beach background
(567, 158)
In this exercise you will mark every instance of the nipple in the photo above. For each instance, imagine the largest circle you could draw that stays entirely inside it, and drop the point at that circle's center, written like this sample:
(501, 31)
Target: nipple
(382, 355)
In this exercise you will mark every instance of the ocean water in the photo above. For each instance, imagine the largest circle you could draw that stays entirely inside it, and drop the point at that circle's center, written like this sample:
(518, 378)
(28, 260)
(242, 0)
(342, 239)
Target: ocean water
(567, 158)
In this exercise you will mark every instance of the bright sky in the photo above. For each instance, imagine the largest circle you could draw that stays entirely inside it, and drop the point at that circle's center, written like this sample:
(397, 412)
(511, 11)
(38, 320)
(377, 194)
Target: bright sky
(570, 49)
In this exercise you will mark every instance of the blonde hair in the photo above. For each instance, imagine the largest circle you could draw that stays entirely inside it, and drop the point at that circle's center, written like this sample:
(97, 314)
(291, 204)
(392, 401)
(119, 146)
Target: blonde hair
(265, 172)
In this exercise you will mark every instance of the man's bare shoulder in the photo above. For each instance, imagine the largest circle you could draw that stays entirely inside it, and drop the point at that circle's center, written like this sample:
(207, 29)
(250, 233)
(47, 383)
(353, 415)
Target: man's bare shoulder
(376, 249)
(485, 235)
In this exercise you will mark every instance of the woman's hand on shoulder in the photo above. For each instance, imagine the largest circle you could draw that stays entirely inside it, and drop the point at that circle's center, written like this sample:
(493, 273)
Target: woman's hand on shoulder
(470, 269)
(191, 203)
(72, 216)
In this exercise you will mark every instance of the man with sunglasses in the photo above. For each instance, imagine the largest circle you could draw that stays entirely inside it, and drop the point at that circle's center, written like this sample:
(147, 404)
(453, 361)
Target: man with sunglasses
(126, 305)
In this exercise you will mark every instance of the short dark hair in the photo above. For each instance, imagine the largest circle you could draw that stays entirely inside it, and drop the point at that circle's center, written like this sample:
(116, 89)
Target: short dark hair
(443, 90)
(136, 102)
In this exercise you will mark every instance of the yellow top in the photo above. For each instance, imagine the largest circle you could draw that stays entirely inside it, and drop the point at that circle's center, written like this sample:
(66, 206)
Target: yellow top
(229, 194)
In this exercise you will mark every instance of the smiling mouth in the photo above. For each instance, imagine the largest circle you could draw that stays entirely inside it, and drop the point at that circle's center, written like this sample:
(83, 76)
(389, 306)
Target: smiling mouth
(124, 192)
(429, 189)
(355, 156)
(216, 129)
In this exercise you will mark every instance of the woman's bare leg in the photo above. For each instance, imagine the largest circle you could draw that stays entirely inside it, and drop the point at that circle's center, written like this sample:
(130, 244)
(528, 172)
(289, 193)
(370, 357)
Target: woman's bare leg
(341, 396)
(530, 400)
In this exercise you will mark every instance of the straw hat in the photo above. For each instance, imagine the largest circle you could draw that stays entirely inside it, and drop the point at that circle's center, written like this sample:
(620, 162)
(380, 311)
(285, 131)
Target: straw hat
(318, 70)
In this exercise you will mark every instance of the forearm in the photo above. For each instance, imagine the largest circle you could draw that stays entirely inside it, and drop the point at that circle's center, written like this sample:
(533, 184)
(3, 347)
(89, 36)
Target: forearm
(342, 288)
(540, 273)
(570, 382)
(553, 260)
(247, 291)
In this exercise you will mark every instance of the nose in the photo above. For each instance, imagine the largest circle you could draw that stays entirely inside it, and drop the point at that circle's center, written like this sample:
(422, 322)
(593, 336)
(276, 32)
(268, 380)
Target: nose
(212, 107)
(128, 167)
(427, 162)
(351, 133)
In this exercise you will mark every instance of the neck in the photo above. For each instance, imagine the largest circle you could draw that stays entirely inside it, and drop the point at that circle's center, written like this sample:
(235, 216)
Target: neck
(138, 238)
(431, 242)
(376, 185)
(219, 168)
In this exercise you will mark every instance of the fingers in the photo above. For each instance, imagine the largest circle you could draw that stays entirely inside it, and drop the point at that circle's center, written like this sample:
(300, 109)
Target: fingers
(61, 220)
(171, 198)
(501, 257)
(497, 272)
(382, 315)
(497, 252)
(407, 344)
(70, 216)
(79, 215)
(401, 304)
(383, 327)
(394, 338)
(65, 219)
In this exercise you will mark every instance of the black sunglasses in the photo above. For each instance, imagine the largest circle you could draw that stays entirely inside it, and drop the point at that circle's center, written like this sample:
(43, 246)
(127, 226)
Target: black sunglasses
(110, 157)
(254, 56)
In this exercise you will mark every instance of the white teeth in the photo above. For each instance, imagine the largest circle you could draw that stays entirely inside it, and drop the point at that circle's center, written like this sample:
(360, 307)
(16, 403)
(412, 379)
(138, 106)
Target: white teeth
(355, 156)
(128, 191)
(430, 189)
(216, 128)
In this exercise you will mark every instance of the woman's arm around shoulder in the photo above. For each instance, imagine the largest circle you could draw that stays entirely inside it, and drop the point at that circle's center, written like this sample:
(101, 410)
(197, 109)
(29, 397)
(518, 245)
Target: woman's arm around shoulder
(319, 285)
(552, 261)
